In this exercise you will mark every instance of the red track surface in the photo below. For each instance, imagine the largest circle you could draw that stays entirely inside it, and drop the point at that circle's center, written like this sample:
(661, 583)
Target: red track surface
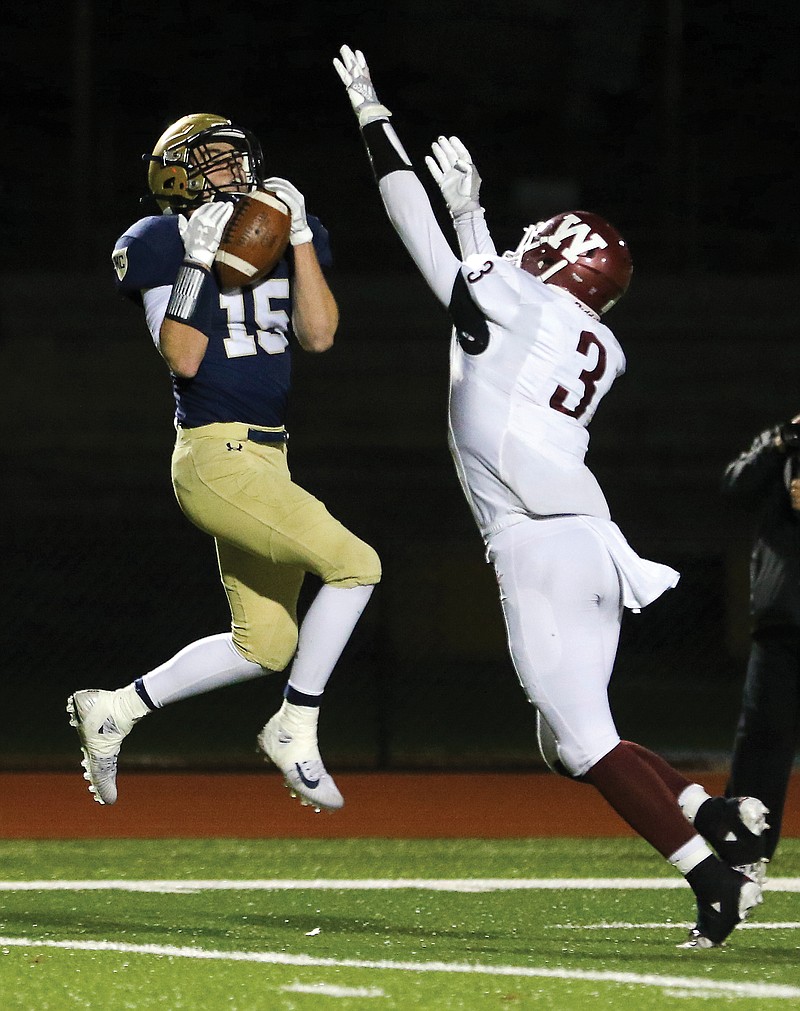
(253, 806)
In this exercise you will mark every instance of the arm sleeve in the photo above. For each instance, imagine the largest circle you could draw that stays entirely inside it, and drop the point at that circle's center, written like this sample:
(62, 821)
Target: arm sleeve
(155, 302)
(410, 210)
(473, 234)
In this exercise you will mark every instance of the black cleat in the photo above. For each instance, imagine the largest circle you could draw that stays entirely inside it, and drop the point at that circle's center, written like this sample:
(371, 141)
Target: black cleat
(734, 827)
(717, 917)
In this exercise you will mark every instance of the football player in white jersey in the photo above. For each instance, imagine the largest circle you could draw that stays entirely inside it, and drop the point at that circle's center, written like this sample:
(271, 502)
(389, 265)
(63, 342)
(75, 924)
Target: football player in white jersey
(530, 362)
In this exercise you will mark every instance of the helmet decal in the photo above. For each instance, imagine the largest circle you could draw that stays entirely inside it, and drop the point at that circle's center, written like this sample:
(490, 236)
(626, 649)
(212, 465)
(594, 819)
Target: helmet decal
(580, 253)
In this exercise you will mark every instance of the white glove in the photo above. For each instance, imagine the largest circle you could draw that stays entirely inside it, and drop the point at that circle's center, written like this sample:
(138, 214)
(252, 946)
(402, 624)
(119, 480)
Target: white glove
(295, 201)
(456, 176)
(204, 231)
(354, 72)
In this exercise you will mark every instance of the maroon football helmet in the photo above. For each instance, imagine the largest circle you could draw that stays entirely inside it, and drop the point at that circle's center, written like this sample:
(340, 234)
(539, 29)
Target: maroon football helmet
(579, 252)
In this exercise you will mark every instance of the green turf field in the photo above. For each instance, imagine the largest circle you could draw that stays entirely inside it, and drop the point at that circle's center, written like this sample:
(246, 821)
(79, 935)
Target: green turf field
(307, 925)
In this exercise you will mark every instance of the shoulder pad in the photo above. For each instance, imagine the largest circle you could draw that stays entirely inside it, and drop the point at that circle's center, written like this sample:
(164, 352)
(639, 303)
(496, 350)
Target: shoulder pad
(493, 284)
(148, 254)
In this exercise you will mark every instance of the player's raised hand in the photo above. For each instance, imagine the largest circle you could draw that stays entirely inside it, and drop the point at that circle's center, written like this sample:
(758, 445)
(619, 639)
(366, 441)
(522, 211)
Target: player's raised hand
(455, 174)
(354, 72)
(295, 201)
(204, 231)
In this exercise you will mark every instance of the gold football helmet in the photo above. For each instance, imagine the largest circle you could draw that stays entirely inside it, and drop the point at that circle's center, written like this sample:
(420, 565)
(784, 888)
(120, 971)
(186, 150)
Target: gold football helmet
(178, 167)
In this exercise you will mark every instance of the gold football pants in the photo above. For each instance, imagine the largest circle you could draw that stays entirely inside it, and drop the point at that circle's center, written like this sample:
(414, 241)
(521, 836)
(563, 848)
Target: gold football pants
(268, 531)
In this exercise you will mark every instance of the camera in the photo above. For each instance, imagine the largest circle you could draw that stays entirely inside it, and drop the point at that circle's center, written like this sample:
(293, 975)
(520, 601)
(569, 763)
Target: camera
(790, 437)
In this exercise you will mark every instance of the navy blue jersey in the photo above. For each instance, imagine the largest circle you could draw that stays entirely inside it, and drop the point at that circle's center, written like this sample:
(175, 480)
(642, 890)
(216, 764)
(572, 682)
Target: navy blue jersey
(246, 371)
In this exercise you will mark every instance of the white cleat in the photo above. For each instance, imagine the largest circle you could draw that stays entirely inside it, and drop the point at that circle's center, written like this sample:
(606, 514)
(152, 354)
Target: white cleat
(756, 871)
(753, 815)
(289, 740)
(101, 727)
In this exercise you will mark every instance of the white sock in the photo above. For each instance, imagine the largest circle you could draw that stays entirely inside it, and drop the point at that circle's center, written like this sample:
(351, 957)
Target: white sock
(324, 633)
(200, 667)
(131, 704)
(691, 800)
(690, 855)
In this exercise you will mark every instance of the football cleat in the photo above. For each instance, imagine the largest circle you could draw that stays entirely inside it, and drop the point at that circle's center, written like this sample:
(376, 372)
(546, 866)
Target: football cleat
(289, 741)
(756, 870)
(101, 726)
(734, 826)
(737, 896)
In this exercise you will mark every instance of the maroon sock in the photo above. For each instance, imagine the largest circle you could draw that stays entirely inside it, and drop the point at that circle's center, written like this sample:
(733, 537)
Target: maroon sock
(640, 796)
(672, 779)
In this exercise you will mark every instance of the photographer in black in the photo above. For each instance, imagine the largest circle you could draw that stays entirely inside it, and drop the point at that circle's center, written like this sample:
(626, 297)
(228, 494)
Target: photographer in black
(765, 479)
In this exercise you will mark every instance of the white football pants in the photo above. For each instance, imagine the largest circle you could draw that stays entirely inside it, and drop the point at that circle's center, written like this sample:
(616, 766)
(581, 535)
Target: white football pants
(561, 598)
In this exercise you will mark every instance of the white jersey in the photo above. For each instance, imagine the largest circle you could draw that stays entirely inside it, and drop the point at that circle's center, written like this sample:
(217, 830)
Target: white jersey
(528, 367)
(519, 410)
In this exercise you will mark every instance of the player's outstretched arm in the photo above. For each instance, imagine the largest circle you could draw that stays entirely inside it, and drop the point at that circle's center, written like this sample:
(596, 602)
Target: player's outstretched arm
(455, 174)
(354, 72)
(403, 194)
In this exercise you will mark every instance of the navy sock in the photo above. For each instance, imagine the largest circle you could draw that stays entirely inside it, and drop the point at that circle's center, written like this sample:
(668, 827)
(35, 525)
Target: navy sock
(300, 698)
(141, 691)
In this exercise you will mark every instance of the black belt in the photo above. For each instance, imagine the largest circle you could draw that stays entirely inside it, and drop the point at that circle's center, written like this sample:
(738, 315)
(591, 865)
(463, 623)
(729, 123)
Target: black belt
(256, 435)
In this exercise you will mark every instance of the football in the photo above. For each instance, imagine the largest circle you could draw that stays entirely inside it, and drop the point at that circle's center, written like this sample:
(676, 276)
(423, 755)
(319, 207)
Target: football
(254, 239)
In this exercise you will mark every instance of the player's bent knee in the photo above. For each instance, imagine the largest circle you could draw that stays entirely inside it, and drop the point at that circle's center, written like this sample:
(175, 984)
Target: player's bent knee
(560, 764)
(583, 764)
(557, 766)
(572, 758)
(358, 564)
(271, 646)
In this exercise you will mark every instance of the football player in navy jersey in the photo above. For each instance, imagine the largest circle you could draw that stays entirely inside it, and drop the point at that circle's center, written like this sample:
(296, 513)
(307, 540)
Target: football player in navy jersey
(530, 360)
(229, 356)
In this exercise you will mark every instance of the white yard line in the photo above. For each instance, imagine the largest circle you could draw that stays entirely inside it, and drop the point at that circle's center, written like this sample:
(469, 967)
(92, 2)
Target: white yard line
(672, 925)
(330, 990)
(372, 884)
(695, 984)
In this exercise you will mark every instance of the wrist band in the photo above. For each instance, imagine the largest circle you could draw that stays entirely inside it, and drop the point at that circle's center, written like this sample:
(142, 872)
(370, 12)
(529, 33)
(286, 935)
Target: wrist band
(186, 292)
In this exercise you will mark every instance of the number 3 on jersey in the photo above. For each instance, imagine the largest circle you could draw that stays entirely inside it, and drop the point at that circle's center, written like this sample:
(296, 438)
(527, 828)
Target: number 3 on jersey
(252, 321)
(589, 378)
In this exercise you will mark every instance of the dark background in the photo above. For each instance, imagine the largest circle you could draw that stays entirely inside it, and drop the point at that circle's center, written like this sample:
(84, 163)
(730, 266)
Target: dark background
(676, 121)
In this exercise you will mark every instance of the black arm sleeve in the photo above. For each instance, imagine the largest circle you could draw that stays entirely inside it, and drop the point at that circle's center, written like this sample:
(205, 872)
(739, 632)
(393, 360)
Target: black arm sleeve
(386, 153)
